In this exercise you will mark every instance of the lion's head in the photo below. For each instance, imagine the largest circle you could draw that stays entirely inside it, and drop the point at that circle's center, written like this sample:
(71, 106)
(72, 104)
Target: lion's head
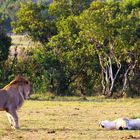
(24, 86)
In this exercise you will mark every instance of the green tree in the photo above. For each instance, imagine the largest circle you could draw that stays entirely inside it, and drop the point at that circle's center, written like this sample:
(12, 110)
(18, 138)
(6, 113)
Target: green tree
(70, 55)
(112, 32)
(77, 40)
(31, 64)
(131, 30)
(8, 9)
(5, 43)
(33, 20)
(65, 8)
(65, 55)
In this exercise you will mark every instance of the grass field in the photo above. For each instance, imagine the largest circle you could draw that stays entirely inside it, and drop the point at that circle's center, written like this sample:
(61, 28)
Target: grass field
(21, 40)
(71, 120)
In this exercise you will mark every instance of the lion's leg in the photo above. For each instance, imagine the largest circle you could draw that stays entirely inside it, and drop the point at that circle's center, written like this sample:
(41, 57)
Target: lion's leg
(14, 118)
(9, 118)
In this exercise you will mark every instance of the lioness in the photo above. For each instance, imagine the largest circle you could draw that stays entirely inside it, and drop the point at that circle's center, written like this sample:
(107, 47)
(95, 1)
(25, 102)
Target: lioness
(12, 97)
(121, 124)
(118, 124)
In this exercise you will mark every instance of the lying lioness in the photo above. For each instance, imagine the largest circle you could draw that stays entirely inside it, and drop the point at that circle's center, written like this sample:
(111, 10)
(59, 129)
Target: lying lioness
(12, 97)
(121, 124)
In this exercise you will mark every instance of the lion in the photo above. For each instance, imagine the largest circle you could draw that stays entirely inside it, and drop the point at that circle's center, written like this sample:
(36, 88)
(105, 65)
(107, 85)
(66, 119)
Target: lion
(121, 124)
(12, 98)
(118, 124)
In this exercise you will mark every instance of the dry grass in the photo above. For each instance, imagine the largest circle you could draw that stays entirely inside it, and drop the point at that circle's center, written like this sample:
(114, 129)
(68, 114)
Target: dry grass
(72, 120)
(21, 42)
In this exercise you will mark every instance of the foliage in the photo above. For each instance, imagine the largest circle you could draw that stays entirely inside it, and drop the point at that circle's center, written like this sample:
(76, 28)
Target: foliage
(32, 19)
(65, 8)
(30, 64)
(112, 32)
(8, 9)
(5, 42)
(84, 46)
(71, 55)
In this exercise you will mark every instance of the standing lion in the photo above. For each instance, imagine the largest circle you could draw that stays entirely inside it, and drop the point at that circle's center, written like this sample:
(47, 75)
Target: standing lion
(12, 97)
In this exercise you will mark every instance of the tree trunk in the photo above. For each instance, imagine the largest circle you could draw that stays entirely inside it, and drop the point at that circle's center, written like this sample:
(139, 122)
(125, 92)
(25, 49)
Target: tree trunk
(62, 87)
(125, 84)
(113, 76)
(108, 77)
(13, 62)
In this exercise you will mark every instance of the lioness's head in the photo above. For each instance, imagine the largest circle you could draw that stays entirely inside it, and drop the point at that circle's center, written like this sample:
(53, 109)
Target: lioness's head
(107, 124)
(24, 86)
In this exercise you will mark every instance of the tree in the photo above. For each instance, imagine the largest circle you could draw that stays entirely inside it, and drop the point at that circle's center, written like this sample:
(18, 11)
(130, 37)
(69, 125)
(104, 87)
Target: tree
(82, 43)
(5, 43)
(65, 8)
(65, 54)
(32, 19)
(8, 10)
(110, 31)
(131, 35)
(71, 57)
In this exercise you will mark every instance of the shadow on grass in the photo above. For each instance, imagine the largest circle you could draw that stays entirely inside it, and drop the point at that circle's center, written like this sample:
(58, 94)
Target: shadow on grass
(33, 129)
(48, 130)
(45, 129)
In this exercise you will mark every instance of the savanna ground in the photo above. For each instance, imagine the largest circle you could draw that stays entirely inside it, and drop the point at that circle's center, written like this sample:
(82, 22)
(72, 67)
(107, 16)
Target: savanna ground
(70, 120)
(66, 119)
